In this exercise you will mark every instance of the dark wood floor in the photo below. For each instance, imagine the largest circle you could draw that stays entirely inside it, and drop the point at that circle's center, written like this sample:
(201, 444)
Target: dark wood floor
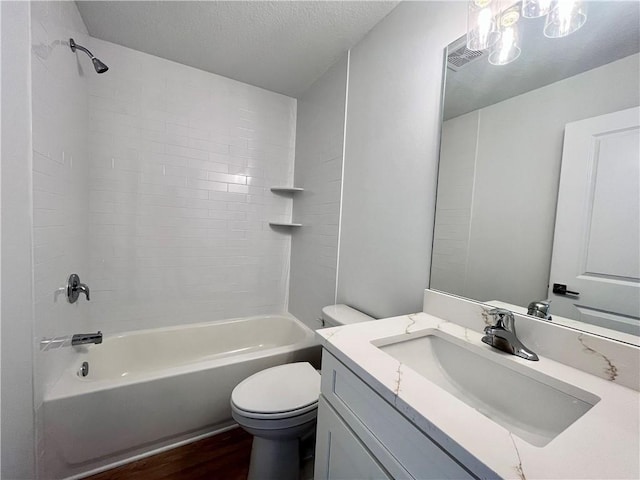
(224, 456)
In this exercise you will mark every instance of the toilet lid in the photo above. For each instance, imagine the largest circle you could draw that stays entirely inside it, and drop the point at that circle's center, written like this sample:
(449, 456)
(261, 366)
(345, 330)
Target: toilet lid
(292, 386)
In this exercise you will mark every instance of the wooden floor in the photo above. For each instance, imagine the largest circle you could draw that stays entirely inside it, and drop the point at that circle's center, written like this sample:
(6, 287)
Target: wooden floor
(224, 456)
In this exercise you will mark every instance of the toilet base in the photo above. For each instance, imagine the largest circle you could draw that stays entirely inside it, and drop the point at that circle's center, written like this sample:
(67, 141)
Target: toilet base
(275, 452)
(274, 459)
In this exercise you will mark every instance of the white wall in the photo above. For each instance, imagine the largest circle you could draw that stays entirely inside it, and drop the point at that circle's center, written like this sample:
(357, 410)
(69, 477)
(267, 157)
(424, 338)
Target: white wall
(0, 239)
(181, 165)
(391, 157)
(319, 149)
(17, 426)
(59, 181)
(513, 205)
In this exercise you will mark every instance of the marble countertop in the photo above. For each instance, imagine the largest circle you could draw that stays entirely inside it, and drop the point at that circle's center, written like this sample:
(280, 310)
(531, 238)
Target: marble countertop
(602, 444)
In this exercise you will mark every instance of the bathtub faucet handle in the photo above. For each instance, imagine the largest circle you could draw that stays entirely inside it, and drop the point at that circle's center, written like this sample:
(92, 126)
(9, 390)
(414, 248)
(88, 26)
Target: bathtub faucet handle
(84, 289)
(74, 288)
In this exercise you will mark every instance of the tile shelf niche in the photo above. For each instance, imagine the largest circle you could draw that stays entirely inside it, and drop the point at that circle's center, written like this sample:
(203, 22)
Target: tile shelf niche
(291, 190)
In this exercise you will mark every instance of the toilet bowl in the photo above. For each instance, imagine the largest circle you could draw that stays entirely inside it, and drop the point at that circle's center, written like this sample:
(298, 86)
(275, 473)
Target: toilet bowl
(279, 405)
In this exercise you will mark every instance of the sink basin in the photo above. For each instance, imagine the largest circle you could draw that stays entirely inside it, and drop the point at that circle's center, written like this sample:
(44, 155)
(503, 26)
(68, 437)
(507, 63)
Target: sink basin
(533, 406)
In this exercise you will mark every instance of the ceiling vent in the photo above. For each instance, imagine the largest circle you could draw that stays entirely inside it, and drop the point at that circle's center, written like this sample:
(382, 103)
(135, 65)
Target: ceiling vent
(460, 56)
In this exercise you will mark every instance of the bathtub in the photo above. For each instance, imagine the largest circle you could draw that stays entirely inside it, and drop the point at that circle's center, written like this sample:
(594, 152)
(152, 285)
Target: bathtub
(150, 390)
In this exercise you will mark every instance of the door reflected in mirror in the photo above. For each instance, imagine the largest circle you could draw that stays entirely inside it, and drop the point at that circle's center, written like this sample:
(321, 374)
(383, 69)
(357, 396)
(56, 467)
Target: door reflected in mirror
(539, 174)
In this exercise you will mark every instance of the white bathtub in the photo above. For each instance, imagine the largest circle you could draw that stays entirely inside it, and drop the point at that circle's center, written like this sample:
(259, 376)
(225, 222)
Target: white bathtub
(151, 389)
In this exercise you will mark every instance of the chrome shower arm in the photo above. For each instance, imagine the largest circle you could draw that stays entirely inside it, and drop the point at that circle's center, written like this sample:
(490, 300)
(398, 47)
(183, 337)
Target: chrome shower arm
(97, 64)
(75, 46)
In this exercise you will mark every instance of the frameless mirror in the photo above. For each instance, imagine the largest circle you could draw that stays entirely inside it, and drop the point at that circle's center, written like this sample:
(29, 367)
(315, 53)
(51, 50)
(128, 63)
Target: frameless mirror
(538, 196)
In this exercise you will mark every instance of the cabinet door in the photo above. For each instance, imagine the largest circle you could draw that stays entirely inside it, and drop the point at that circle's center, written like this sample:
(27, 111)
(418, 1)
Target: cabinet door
(339, 453)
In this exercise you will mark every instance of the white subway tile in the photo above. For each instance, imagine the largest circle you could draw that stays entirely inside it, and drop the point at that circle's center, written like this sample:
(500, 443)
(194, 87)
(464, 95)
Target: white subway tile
(187, 152)
(206, 185)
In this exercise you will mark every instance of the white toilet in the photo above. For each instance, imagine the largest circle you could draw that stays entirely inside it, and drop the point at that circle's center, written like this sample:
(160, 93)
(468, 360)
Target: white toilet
(278, 406)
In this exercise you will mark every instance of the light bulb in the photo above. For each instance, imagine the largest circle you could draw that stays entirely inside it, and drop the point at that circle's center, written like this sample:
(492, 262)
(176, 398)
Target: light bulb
(535, 8)
(508, 47)
(482, 25)
(565, 17)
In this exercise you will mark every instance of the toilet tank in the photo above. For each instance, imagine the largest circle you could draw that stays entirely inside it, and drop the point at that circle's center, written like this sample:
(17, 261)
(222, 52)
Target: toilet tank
(338, 315)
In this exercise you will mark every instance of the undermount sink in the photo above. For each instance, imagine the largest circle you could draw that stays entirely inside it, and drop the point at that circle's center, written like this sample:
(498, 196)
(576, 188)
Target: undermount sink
(531, 405)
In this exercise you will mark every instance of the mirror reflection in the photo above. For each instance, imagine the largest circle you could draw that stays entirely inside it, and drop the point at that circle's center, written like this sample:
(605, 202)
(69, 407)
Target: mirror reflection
(538, 201)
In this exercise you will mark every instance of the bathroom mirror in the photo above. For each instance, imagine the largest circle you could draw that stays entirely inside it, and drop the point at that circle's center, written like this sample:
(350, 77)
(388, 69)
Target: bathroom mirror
(503, 134)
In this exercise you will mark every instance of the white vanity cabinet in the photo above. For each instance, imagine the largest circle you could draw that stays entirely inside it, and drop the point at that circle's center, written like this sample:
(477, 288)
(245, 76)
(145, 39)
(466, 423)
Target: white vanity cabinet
(343, 455)
(362, 436)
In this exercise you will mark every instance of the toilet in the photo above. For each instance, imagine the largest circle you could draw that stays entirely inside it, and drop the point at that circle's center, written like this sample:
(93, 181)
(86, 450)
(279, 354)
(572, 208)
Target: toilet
(278, 406)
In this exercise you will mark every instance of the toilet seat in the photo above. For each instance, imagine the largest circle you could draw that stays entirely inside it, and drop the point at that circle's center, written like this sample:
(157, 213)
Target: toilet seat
(279, 423)
(284, 391)
(275, 415)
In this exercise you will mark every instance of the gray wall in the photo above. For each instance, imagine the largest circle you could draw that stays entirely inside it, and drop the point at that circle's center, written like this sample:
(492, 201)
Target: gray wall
(17, 425)
(391, 156)
(512, 150)
(318, 169)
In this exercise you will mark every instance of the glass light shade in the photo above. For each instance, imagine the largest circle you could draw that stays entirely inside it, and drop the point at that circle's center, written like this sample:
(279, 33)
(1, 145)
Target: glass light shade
(482, 24)
(508, 47)
(565, 17)
(535, 8)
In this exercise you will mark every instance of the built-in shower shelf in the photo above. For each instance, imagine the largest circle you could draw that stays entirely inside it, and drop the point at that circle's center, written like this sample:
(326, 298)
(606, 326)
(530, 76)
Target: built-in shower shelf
(291, 190)
(284, 224)
(287, 189)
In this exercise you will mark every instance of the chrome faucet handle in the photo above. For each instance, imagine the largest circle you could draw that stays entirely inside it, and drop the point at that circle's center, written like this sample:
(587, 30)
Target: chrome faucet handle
(540, 309)
(503, 319)
(74, 288)
(502, 335)
(82, 288)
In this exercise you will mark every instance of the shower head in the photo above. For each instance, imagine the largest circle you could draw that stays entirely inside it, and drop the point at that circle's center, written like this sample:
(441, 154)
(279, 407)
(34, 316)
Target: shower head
(97, 64)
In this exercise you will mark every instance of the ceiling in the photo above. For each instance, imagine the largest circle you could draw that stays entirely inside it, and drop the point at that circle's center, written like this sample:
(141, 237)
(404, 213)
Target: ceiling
(283, 46)
(612, 32)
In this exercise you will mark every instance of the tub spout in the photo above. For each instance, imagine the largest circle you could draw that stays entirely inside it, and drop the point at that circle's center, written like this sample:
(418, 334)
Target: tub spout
(84, 338)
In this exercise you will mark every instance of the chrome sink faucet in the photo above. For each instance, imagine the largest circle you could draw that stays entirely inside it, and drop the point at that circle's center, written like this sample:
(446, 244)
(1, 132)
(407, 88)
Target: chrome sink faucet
(540, 309)
(502, 335)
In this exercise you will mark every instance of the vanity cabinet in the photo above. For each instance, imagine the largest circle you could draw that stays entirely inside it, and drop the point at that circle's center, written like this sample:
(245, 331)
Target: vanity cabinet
(360, 435)
(343, 455)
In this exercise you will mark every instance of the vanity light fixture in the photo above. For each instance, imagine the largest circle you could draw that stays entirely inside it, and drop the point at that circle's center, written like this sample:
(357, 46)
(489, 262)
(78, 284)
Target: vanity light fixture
(490, 27)
(508, 47)
(565, 17)
(482, 24)
(535, 8)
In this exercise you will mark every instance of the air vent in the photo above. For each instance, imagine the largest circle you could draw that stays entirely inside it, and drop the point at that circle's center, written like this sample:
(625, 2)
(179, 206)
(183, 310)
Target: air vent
(461, 56)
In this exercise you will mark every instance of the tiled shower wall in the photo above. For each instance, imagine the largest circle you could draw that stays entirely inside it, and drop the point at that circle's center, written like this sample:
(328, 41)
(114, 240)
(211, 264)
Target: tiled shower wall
(60, 172)
(151, 181)
(180, 170)
(60, 192)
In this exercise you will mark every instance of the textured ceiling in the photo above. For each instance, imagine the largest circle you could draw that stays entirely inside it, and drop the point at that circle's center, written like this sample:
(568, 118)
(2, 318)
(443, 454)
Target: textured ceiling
(612, 32)
(283, 46)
